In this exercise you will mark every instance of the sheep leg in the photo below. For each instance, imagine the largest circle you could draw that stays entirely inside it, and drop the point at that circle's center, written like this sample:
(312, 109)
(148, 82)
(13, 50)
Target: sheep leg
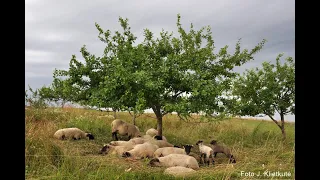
(114, 136)
(215, 154)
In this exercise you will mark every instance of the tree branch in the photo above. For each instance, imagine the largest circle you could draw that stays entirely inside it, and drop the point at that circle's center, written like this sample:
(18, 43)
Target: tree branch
(273, 120)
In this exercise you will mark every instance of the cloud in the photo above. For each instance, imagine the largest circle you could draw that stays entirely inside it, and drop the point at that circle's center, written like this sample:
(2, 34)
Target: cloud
(56, 29)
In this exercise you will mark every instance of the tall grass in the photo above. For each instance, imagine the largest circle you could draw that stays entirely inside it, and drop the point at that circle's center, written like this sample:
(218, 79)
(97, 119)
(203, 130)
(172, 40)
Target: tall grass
(256, 145)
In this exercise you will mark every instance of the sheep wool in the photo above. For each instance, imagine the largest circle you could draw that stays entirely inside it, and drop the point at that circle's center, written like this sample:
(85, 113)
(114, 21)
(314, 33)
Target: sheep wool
(74, 133)
(125, 129)
(168, 150)
(151, 132)
(175, 160)
(118, 150)
(140, 151)
(179, 171)
(205, 151)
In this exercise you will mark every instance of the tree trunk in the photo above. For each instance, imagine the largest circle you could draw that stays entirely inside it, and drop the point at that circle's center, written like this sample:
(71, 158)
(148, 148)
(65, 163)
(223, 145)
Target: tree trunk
(134, 118)
(62, 104)
(284, 136)
(156, 110)
(114, 113)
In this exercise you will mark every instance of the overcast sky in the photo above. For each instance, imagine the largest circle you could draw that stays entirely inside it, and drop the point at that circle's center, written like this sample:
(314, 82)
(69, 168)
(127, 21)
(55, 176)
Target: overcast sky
(56, 29)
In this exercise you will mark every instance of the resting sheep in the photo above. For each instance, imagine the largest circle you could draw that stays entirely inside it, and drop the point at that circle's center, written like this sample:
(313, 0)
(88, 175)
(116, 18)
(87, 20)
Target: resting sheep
(222, 149)
(168, 150)
(205, 151)
(141, 151)
(121, 143)
(124, 129)
(154, 133)
(175, 160)
(119, 150)
(74, 133)
(179, 171)
(160, 143)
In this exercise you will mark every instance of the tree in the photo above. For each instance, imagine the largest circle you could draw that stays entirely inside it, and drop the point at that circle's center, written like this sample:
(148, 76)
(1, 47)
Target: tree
(167, 74)
(34, 99)
(59, 90)
(267, 90)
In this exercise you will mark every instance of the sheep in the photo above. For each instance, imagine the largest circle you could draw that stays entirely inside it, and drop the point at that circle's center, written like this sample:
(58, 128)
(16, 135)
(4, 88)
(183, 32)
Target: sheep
(188, 148)
(124, 129)
(179, 171)
(121, 143)
(119, 150)
(205, 151)
(140, 140)
(168, 150)
(151, 132)
(154, 133)
(160, 143)
(74, 133)
(160, 138)
(141, 151)
(222, 149)
(175, 160)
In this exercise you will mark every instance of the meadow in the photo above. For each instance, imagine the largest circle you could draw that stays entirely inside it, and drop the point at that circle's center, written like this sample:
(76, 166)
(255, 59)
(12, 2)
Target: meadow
(256, 144)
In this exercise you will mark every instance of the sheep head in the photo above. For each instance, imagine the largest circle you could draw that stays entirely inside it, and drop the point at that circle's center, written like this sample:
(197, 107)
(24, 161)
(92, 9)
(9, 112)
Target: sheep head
(199, 142)
(154, 162)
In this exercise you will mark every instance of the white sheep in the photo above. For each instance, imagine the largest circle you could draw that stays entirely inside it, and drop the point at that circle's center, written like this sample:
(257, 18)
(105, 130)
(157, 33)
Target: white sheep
(121, 143)
(179, 171)
(168, 150)
(154, 133)
(140, 151)
(119, 150)
(74, 133)
(205, 151)
(175, 160)
(160, 143)
(124, 129)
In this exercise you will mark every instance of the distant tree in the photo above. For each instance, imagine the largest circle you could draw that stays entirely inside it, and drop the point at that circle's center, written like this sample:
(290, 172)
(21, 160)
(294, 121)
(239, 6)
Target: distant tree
(59, 92)
(167, 74)
(34, 98)
(267, 90)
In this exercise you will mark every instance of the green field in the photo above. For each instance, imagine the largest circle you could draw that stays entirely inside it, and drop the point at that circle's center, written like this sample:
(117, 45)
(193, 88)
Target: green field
(256, 145)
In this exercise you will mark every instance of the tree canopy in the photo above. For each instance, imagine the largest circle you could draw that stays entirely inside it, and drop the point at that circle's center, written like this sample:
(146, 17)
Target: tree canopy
(168, 74)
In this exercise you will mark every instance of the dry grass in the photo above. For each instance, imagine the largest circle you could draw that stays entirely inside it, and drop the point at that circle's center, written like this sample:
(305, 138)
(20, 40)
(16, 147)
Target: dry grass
(256, 145)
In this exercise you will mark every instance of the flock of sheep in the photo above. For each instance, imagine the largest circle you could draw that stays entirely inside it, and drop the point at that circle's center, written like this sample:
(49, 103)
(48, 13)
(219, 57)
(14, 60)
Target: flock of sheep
(178, 160)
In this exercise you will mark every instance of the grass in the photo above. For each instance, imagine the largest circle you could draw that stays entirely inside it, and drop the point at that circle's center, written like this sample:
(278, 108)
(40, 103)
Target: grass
(256, 144)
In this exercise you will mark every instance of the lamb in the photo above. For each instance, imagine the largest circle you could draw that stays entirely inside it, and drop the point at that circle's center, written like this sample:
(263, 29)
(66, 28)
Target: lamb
(141, 151)
(74, 133)
(124, 129)
(119, 150)
(168, 150)
(179, 171)
(175, 160)
(206, 152)
(222, 149)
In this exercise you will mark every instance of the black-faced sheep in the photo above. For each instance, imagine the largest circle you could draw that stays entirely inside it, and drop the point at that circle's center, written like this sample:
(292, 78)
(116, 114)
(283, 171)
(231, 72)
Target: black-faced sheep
(222, 149)
(175, 160)
(74, 133)
(188, 148)
(179, 171)
(119, 150)
(125, 129)
(168, 150)
(206, 152)
(141, 151)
